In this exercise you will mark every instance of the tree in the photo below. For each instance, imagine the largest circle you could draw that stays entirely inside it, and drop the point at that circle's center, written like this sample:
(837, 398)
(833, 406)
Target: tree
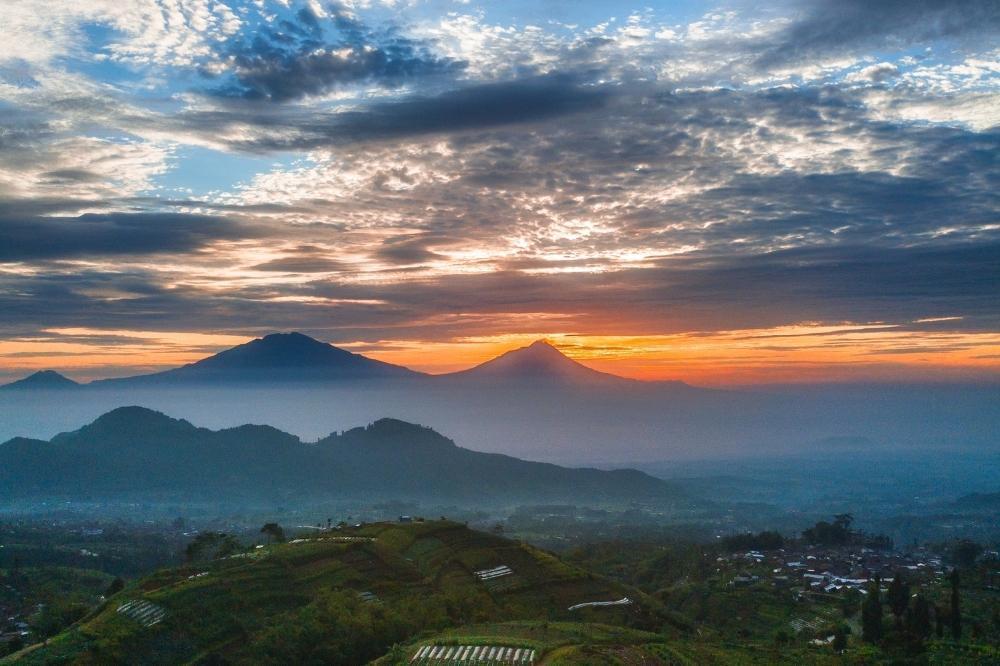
(920, 617)
(956, 611)
(211, 546)
(871, 613)
(765, 540)
(850, 602)
(965, 552)
(836, 533)
(898, 597)
(15, 644)
(117, 585)
(843, 521)
(938, 621)
(273, 531)
(840, 638)
(228, 545)
(56, 615)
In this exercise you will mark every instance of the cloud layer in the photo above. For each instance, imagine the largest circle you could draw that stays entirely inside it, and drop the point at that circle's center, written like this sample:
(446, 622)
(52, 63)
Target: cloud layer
(378, 176)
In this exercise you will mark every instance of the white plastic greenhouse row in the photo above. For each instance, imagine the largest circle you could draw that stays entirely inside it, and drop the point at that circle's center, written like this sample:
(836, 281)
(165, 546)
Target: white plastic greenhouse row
(624, 601)
(468, 654)
(145, 613)
(496, 572)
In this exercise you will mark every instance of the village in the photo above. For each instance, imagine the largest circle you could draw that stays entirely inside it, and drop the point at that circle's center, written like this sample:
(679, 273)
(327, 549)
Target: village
(830, 570)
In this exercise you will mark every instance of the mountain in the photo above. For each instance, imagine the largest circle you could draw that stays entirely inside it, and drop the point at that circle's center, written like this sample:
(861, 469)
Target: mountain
(284, 358)
(979, 502)
(140, 453)
(42, 380)
(539, 362)
(279, 357)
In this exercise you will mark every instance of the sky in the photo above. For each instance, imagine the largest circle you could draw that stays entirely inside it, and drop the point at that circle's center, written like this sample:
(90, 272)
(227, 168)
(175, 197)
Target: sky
(723, 193)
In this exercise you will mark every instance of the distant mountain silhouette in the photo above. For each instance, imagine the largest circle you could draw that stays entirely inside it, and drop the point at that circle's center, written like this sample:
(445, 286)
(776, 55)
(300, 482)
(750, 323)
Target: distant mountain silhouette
(294, 357)
(279, 357)
(139, 453)
(43, 379)
(979, 502)
(539, 362)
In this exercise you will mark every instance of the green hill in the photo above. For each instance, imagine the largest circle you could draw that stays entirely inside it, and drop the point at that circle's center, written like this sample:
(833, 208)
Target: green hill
(345, 596)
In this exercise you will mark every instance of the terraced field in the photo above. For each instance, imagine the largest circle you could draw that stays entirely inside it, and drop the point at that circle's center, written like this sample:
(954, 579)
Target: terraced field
(423, 576)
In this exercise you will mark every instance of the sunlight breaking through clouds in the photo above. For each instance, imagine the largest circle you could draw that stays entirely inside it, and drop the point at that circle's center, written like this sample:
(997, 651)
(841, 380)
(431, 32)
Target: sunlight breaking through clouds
(353, 169)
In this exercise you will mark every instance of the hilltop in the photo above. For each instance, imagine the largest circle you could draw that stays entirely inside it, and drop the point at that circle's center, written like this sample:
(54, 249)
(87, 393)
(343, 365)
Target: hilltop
(346, 596)
(42, 380)
(538, 362)
(133, 452)
(278, 357)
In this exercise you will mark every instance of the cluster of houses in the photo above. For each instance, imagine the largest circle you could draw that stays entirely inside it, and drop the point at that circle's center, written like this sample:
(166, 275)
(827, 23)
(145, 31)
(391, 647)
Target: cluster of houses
(830, 569)
(13, 627)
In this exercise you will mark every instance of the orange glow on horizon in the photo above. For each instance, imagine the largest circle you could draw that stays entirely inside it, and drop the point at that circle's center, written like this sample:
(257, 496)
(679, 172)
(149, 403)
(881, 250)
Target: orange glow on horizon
(805, 352)
(802, 353)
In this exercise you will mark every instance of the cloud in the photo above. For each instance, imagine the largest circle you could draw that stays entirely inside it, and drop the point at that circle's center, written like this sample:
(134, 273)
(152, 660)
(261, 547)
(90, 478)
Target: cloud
(303, 259)
(694, 293)
(406, 251)
(107, 234)
(468, 108)
(145, 32)
(441, 176)
(876, 73)
(832, 27)
(296, 59)
(40, 156)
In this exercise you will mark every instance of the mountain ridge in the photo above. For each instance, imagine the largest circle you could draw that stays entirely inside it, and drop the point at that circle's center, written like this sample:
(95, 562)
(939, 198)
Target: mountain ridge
(136, 452)
(294, 357)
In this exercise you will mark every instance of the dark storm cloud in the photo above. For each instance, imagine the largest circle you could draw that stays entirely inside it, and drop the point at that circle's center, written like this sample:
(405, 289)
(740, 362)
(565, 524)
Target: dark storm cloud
(27, 238)
(298, 59)
(827, 27)
(469, 108)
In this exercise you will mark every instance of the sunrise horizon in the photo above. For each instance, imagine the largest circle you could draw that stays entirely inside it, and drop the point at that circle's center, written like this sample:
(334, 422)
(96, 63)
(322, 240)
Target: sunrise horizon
(784, 355)
(722, 196)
